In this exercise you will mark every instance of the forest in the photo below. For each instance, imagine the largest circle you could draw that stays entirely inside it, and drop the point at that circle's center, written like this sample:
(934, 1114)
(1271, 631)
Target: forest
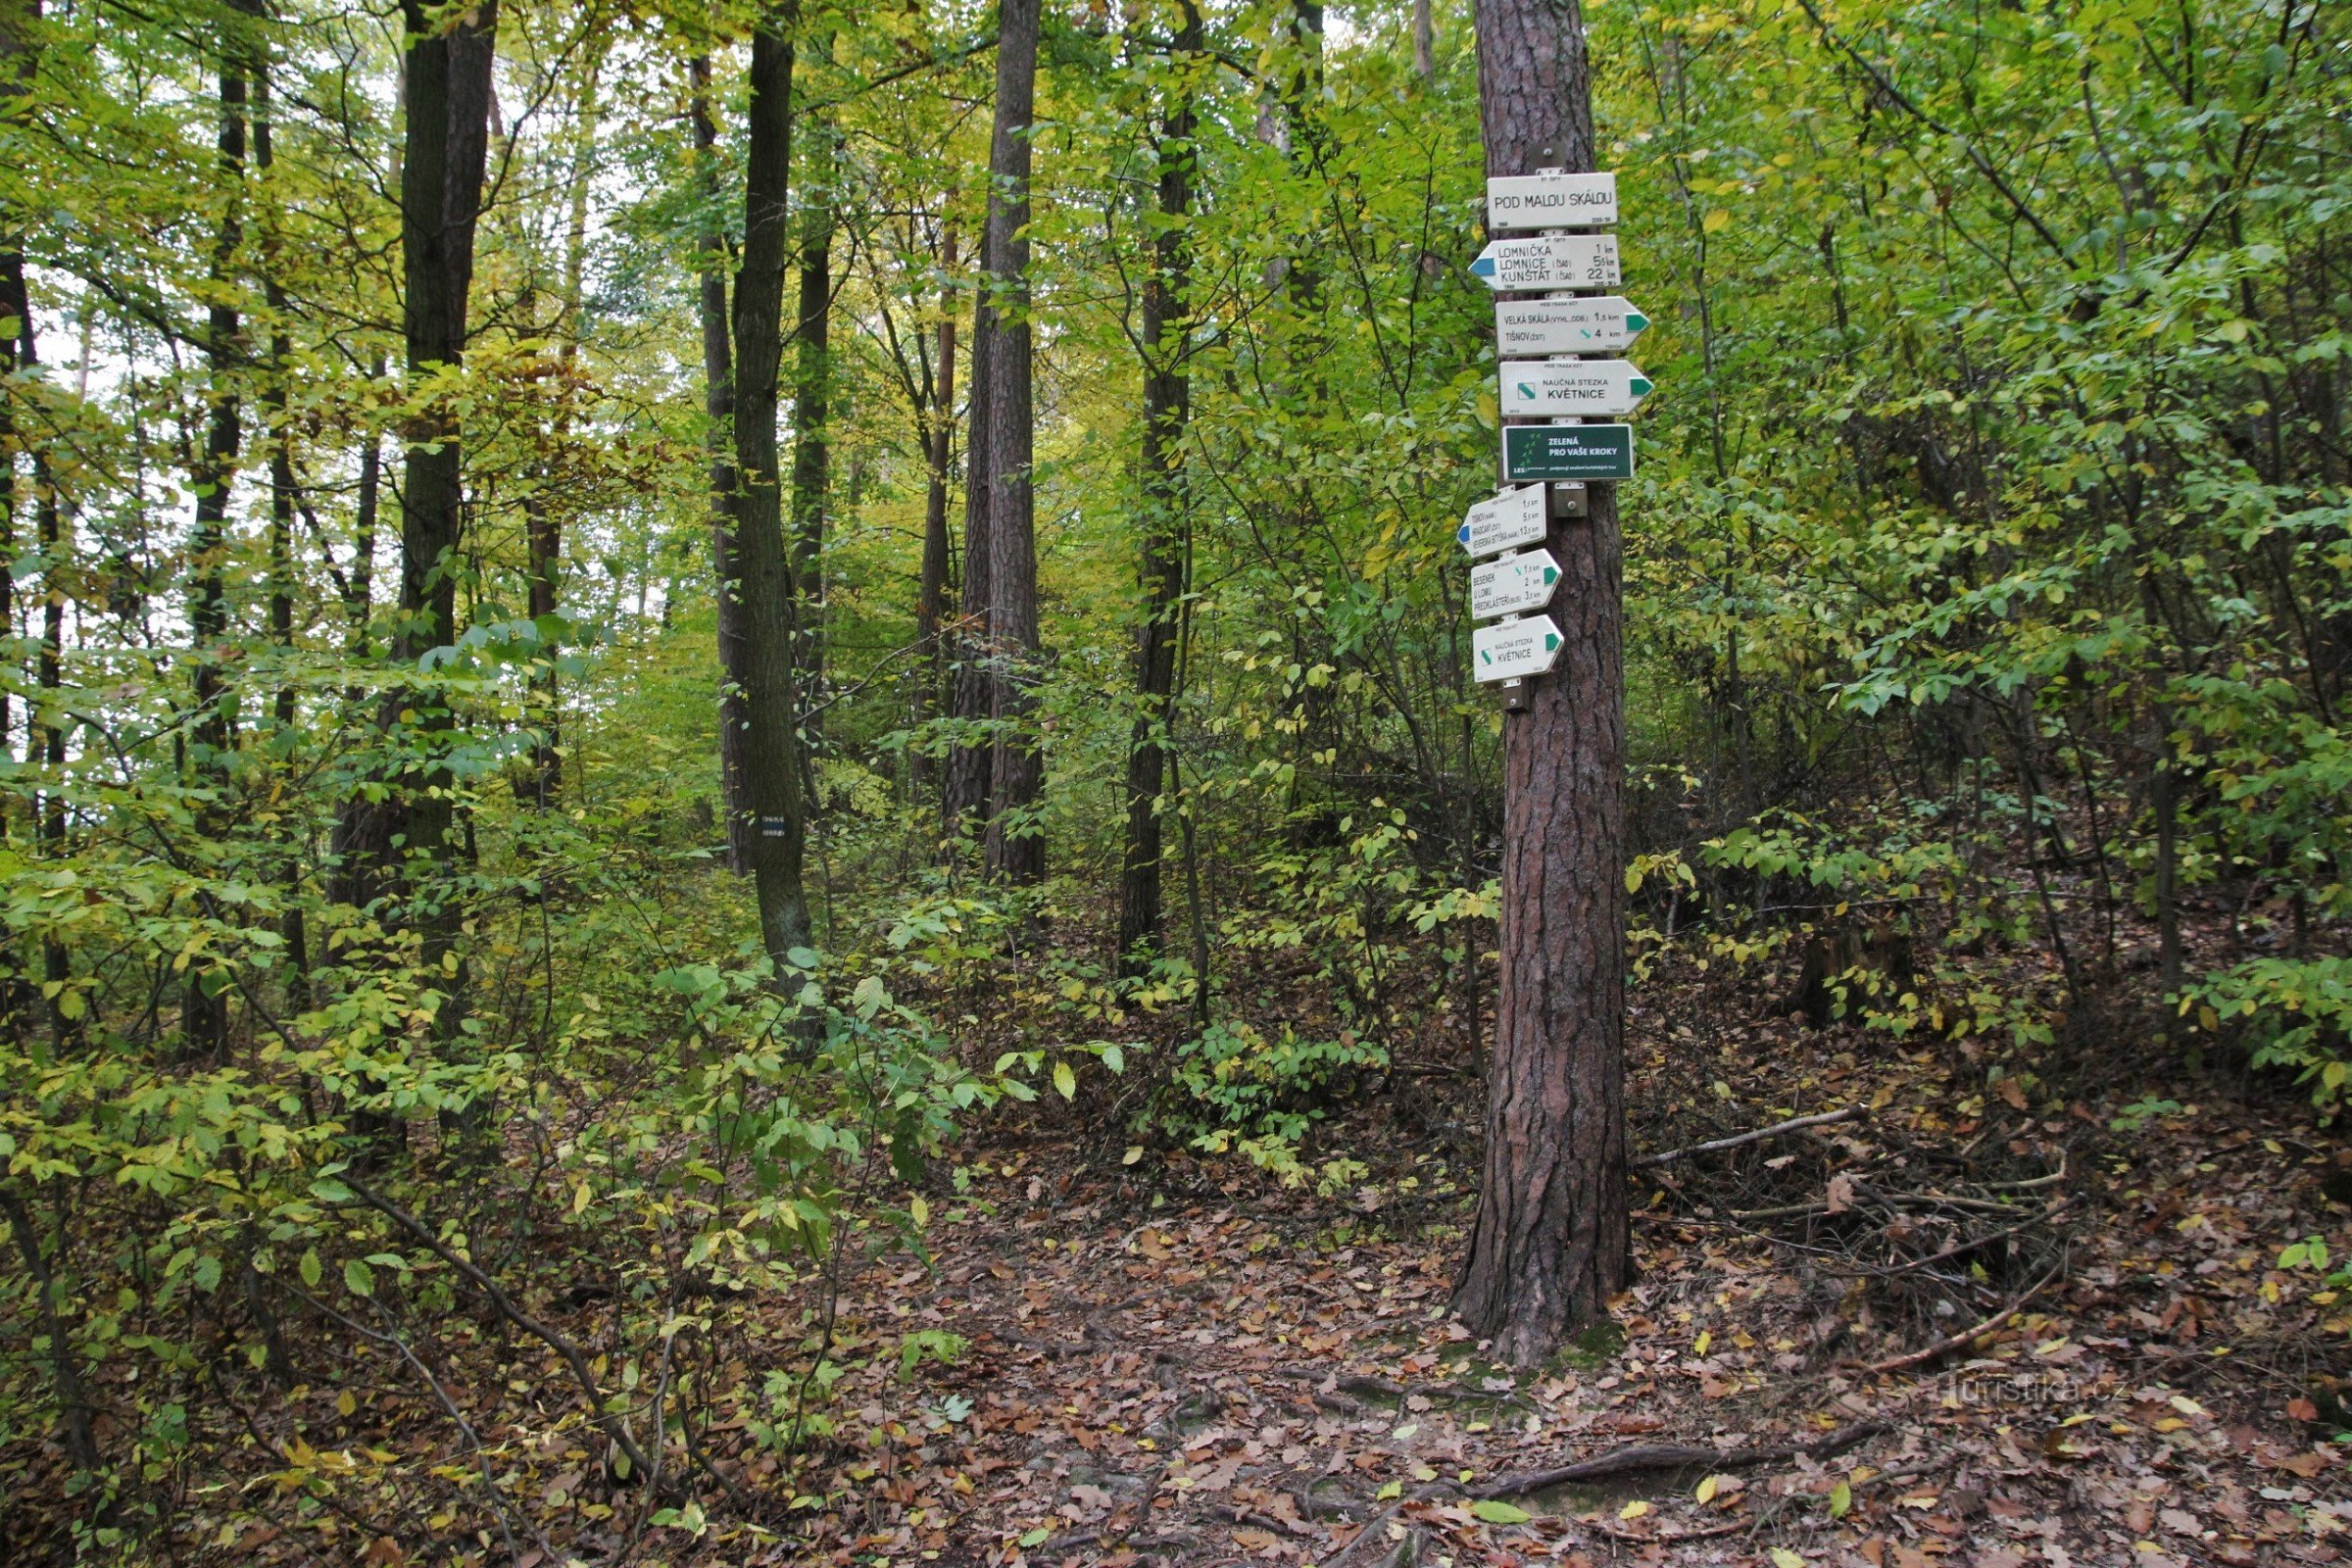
(748, 815)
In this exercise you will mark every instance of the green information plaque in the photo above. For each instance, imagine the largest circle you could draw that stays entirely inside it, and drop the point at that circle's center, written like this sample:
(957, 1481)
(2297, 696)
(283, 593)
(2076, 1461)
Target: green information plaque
(1531, 452)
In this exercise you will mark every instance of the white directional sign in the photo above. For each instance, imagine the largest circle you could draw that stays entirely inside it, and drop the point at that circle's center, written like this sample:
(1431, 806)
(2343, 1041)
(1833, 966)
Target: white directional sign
(1527, 328)
(1550, 261)
(1551, 201)
(1595, 387)
(1512, 518)
(1515, 647)
(1514, 584)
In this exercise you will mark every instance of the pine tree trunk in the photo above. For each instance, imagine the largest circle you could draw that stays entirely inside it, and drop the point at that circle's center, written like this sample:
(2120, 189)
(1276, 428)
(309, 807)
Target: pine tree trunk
(772, 751)
(1017, 844)
(1552, 1242)
(718, 402)
(1167, 405)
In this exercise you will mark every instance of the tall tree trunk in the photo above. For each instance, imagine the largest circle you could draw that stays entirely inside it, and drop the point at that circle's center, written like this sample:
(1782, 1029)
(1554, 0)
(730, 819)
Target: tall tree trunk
(1167, 404)
(718, 403)
(358, 605)
(18, 57)
(811, 403)
(448, 72)
(291, 926)
(1017, 844)
(973, 695)
(204, 1000)
(1553, 1241)
(1425, 41)
(931, 602)
(771, 753)
(543, 529)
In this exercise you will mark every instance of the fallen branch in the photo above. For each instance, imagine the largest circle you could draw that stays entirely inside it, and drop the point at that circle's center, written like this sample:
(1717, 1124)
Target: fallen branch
(1644, 1456)
(1823, 1119)
(1944, 1346)
(1677, 1456)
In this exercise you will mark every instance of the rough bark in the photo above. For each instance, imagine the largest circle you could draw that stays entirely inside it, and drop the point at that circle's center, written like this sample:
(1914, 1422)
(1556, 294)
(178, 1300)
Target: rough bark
(718, 403)
(1167, 405)
(1551, 1241)
(1017, 844)
(771, 749)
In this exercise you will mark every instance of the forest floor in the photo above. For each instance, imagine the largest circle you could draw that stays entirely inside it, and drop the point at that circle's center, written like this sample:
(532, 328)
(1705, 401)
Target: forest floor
(1991, 1320)
(1174, 1362)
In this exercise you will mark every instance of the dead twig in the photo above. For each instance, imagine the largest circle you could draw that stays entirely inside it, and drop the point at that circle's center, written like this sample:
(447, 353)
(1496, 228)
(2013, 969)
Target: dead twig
(1822, 1119)
(1953, 1342)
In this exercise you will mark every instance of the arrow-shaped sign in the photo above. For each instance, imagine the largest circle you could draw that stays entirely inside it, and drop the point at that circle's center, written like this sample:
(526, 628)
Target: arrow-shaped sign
(1515, 647)
(1514, 584)
(1512, 518)
(1528, 329)
(1550, 261)
(1590, 387)
(1550, 201)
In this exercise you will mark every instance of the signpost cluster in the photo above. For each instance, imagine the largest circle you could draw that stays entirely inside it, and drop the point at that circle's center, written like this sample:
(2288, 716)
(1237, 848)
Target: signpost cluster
(1563, 395)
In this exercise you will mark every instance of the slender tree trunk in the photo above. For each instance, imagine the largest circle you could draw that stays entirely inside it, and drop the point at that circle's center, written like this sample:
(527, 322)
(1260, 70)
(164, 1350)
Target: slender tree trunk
(64, 1371)
(1017, 844)
(771, 753)
(973, 698)
(718, 403)
(447, 76)
(1425, 41)
(543, 526)
(2164, 803)
(18, 57)
(203, 1001)
(49, 674)
(293, 928)
(932, 598)
(1553, 1241)
(1167, 405)
(811, 400)
(359, 608)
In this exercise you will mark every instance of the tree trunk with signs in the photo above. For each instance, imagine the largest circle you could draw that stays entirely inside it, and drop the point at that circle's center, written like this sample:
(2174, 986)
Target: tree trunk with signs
(1553, 1241)
(1017, 844)
(771, 756)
